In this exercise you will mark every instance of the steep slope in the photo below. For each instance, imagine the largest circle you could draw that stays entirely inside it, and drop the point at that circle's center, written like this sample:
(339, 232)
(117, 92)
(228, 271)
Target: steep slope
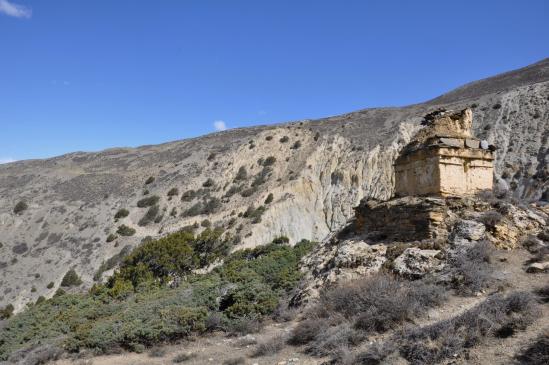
(316, 171)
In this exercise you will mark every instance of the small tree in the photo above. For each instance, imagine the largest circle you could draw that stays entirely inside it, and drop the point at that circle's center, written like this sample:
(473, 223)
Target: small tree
(149, 180)
(269, 199)
(71, 278)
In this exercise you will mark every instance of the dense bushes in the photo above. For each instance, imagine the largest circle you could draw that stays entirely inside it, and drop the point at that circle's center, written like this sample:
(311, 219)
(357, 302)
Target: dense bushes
(498, 316)
(138, 308)
(347, 313)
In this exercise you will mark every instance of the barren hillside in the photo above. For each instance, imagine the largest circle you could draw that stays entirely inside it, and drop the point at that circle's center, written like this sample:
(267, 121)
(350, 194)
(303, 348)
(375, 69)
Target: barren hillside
(316, 171)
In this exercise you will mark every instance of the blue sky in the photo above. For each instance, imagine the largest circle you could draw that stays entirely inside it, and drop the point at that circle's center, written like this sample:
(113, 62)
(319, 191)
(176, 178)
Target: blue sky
(88, 75)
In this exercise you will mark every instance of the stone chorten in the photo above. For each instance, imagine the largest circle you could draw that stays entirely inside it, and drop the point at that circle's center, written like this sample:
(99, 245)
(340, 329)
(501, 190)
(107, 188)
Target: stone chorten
(444, 158)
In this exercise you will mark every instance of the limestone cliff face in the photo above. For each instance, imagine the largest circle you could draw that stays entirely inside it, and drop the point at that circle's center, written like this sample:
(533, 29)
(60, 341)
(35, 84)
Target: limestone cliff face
(317, 171)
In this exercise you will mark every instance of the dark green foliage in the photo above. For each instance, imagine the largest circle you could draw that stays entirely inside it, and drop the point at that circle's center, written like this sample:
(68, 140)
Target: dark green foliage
(123, 315)
(284, 139)
(496, 106)
(269, 199)
(173, 212)
(148, 201)
(269, 161)
(41, 299)
(208, 183)
(296, 145)
(254, 214)
(206, 223)
(248, 192)
(188, 196)
(208, 206)
(178, 359)
(112, 262)
(6, 312)
(111, 237)
(20, 207)
(242, 174)
(71, 278)
(235, 189)
(50, 285)
(122, 213)
(124, 230)
(149, 216)
(149, 180)
(173, 192)
(268, 138)
(262, 177)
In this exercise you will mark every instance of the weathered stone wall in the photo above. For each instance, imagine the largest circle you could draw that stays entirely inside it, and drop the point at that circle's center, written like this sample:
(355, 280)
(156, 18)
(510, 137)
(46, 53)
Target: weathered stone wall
(444, 171)
(405, 219)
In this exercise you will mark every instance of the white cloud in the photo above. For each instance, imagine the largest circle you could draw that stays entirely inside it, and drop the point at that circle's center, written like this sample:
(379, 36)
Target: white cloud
(15, 10)
(220, 125)
(6, 160)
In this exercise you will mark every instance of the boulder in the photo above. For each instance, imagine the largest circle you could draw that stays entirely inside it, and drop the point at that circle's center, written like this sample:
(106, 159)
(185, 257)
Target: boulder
(538, 267)
(469, 230)
(415, 262)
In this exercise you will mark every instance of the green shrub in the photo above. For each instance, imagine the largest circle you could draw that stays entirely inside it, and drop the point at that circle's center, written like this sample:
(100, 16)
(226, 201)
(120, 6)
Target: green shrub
(206, 223)
(173, 192)
(269, 161)
(248, 192)
(122, 213)
(208, 183)
(149, 216)
(112, 262)
(20, 207)
(209, 206)
(149, 180)
(6, 312)
(148, 201)
(242, 174)
(268, 138)
(41, 299)
(254, 214)
(262, 177)
(138, 309)
(124, 230)
(284, 139)
(50, 285)
(71, 278)
(269, 199)
(235, 189)
(296, 145)
(188, 196)
(111, 237)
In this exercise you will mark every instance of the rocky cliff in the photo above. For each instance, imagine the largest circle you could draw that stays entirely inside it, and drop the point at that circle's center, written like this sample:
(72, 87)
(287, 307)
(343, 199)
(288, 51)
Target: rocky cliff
(316, 171)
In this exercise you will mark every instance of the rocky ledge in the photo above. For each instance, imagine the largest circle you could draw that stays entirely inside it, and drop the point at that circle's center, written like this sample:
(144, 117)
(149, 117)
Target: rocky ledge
(417, 236)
